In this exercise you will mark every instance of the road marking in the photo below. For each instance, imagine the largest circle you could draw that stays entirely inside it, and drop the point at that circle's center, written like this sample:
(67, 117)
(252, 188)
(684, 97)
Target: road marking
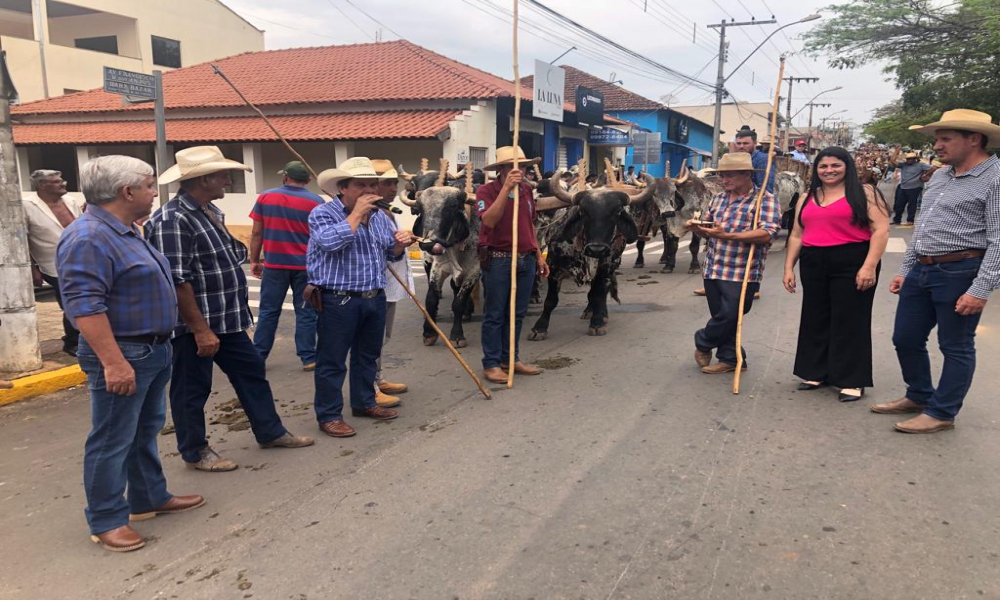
(285, 306)
(896, 245)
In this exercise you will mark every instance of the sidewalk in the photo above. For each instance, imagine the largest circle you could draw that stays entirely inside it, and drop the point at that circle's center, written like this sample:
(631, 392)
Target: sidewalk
(59, 370)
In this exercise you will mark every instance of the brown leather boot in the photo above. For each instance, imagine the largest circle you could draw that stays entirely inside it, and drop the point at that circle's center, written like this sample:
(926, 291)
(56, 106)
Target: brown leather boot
(523, 369)
(720, 368)
(924, 424)
(119, 539)
(174, 505)
(702, 359)
(388, 387)
(495, 375)
(385, 400)
(897, 407)
(337, 429)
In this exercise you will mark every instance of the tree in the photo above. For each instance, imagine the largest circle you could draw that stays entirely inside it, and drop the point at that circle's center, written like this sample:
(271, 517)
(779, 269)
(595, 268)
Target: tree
(941, 56)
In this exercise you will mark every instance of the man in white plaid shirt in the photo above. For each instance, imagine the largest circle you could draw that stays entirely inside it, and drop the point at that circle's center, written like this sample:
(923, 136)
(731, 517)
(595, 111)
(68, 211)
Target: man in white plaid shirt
(949, 271)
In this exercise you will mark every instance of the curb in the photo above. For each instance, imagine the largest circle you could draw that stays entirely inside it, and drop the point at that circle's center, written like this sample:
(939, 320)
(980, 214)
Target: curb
(43, 383)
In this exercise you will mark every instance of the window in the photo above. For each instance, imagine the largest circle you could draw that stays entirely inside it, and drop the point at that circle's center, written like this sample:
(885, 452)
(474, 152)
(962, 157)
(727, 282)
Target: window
(166, 52)
(105, 43)
(477, 156)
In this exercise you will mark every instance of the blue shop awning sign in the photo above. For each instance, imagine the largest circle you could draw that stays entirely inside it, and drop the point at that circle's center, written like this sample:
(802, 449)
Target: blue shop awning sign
(609, 137)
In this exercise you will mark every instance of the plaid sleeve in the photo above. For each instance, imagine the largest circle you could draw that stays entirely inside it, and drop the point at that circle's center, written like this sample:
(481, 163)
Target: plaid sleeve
(988, 278)
(770, 215)
(329, 233)
(86, 276)
(173, 238)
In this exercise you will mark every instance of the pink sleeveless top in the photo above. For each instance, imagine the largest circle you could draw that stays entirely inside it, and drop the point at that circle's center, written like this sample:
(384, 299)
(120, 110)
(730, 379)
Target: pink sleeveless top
(831, 225)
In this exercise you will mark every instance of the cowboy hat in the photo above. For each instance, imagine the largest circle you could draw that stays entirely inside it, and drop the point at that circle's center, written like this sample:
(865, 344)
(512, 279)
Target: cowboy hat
(734, 161)
(963, 119)
(911, 155)
(384, 168)
(197, 161)
(505, 156)
(359, 167)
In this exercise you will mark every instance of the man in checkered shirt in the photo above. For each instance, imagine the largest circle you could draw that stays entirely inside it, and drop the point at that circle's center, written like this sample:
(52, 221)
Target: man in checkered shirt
(730, 235)
(949, 270)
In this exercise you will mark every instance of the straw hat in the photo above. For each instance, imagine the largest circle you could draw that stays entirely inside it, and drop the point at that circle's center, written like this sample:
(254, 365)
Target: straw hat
(359, 167)
(911, 155)
(197, 161)
(963, 119)
(505, 156)
(734, 161)
(384, 168)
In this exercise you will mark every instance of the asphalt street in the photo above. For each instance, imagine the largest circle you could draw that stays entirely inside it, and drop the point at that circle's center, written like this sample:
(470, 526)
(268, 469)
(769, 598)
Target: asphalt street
(621, 472)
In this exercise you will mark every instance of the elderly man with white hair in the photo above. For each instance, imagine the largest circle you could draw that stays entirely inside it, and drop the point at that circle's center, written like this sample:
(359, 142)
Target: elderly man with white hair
(48, 211)
(118, 291)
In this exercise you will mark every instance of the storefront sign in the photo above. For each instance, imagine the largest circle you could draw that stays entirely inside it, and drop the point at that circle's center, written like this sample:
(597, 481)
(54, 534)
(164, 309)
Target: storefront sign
(609, 137)
(129, 83)
(549, 85)
(589, 106)
(646, 148)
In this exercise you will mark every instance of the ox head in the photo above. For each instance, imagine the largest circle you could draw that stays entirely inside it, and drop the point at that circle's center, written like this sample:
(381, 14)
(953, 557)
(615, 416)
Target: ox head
(444, 221)
(598, 214)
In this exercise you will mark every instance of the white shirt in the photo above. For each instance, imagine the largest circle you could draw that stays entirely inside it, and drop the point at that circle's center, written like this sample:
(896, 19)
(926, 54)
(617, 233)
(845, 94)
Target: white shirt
(44, 229)
(393, 291)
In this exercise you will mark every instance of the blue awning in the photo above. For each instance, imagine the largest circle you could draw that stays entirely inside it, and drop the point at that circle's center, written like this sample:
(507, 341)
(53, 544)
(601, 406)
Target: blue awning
(692, 149)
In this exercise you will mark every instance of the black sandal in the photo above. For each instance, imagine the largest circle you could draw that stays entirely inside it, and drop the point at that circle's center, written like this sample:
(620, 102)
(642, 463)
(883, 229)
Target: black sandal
(808, 387)
(850, 397)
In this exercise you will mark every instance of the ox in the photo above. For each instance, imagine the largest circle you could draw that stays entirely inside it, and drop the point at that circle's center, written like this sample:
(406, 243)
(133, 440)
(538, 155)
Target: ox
(585, 243)
(788, 186)
(450, 232)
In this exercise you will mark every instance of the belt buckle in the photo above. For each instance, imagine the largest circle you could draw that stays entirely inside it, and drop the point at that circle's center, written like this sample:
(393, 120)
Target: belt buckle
(368, 295)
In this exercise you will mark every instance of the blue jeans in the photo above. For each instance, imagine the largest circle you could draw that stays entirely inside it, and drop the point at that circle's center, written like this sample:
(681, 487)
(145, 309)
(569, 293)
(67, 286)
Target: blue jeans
(274, 285)
(719, 333)
(928, 298)
(347, 324)
(121, 447)
(191, 385)
(496, 316)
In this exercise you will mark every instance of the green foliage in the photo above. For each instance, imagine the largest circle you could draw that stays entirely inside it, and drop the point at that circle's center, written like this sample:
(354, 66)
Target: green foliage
(941, 55)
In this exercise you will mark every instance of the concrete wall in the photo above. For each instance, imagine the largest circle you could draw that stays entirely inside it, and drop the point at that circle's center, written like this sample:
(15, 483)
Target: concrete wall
(65, 30)
(16, 24)
(475, 128)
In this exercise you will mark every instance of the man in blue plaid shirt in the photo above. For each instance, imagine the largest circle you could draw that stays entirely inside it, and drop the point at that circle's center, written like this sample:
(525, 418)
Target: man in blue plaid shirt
(729, 226)
(206, 266)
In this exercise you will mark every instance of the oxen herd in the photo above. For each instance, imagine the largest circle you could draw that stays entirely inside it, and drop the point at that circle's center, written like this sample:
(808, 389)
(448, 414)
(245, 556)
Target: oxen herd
(583, 231)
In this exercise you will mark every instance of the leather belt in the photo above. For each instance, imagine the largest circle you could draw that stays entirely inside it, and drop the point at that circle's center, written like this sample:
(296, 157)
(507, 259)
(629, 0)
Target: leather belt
(507, 254)
(950, 257)
(152, 340)
(366, 295)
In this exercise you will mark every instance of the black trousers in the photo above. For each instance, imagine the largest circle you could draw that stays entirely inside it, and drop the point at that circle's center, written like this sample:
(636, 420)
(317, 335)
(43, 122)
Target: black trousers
(906, 200)
(71, 337)
(835, 329)
(719, 333)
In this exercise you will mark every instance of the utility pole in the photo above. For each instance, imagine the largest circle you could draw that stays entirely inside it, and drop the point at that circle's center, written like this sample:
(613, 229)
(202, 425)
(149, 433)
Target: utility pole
(811, 106)
(788, 121)
(19, 350)
(720, 79)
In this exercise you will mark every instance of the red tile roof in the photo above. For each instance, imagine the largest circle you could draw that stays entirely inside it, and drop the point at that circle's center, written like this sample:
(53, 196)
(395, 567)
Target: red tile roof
(615, 97)
(414, 124)
(383, 71)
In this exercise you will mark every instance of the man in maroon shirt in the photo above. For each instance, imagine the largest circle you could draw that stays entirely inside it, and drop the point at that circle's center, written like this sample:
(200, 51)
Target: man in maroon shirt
(495, 207)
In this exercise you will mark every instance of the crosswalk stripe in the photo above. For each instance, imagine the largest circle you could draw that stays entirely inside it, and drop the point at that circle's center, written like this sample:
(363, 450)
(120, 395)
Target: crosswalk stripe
(284, 306)
(896, 245)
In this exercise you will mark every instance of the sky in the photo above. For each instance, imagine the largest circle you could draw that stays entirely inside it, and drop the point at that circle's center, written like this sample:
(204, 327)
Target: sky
(672, 33)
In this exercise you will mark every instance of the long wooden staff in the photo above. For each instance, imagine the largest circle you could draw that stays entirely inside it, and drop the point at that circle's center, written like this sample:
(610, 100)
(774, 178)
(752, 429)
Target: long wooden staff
(409, 292)
(517, 206)
(756, 223)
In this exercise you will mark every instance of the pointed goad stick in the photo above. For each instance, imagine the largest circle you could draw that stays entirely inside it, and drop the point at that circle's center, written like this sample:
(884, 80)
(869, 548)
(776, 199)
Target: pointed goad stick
(409, 292)
(443, 173)
(424, 163)
(517, 206)
(756, 223)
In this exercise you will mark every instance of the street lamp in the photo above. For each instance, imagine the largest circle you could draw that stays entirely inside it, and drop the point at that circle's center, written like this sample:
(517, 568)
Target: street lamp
(813, 100)
(721, 79)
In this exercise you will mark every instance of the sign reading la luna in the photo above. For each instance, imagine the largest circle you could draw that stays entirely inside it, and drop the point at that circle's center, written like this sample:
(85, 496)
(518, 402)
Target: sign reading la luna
(548, 99)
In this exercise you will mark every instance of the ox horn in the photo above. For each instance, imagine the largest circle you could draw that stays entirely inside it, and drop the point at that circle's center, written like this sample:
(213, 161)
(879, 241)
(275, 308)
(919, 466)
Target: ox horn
(555, 186)
(401, 196)
(645, 194)
(404, 174)
(683, 175)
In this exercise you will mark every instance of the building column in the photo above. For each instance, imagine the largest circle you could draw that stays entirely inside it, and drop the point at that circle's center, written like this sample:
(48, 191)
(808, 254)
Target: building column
(82, 156)
(342, 151)
(23, 169)
(253, 157)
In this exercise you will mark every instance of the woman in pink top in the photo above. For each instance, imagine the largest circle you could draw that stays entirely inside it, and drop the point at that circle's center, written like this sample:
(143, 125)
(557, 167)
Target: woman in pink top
(840, 233)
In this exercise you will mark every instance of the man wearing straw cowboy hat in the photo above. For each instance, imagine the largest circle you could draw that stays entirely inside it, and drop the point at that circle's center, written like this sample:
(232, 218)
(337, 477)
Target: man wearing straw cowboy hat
(729, 226)
(350, 242)
(206, 266)
(949, 270)
(495, 207)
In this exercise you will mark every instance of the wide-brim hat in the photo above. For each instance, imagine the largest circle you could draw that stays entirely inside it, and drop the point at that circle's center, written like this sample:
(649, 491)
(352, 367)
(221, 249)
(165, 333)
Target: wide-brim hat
(197, 161)
(734, 161)
(359, 167)
(385, 168)
(911, 155)
(505, 156)
(964, 119)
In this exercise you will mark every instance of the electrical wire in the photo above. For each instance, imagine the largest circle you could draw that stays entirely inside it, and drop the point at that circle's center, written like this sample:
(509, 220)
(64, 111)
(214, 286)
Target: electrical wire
(351, 21)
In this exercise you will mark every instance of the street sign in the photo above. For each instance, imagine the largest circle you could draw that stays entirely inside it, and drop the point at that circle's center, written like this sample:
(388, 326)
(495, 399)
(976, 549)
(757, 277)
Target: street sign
(646, 148)
(609, 137)
(589, 106)
(550, 83)
(129, 83)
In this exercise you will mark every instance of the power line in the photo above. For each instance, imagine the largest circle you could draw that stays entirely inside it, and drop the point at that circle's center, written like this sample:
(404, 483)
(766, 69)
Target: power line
(263, 20)
(352, 21)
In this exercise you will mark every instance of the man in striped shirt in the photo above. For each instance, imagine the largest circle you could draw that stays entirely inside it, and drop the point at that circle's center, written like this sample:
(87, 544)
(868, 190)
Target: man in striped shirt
(949, 270)
(349, 244)
(729, 226)
(281, 229)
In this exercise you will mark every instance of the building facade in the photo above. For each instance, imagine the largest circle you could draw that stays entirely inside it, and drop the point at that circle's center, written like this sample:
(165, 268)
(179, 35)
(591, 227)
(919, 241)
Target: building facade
(60, 47)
